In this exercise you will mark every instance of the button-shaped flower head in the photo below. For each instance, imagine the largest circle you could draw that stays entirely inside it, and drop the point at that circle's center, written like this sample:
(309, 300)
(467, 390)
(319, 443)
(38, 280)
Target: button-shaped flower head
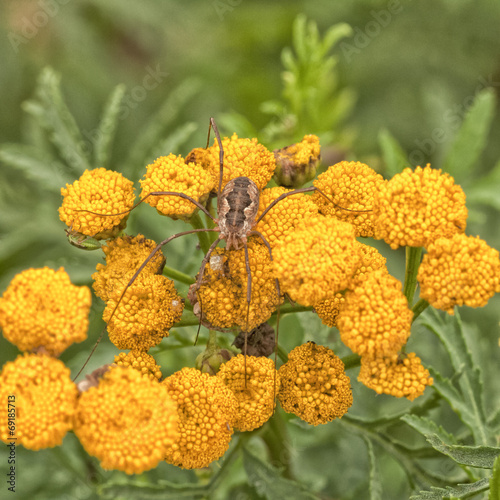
(98, 191)
(42, 308)
(396, 375)
(352, 186)
(146, 312)
(207, 411)
(316, 259)
(141, 361)
(418, 206)
(171, 173)
(127, 421)
(124, 256)
(314, 385)
(43, 397)
(255, 384)
(461, 270)
(375, 319)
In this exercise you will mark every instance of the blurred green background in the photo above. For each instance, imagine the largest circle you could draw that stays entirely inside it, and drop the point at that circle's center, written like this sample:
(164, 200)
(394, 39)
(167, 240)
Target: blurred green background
(412, 68)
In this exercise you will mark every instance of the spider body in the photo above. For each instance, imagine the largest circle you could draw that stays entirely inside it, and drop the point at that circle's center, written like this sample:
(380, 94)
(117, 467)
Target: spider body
(237, 211)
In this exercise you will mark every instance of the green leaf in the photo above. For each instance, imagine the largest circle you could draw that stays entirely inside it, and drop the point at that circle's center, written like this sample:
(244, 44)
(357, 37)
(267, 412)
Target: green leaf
(459, 491)
(485, 190)
(36, 165)
(105, 132)
(495, 481)
(468, 402)
(471, 138)
(58, 121)
(164, 490)
(268, 482)
(427, 427)
(375, 484)
(393, 154)
(174, 140)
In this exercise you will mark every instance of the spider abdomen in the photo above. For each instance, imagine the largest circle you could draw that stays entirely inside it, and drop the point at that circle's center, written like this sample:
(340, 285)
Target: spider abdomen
(237, 210)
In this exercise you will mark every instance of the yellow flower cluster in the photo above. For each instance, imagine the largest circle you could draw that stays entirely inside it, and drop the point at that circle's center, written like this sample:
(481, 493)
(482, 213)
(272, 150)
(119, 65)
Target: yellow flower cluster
(317, 259)
(141, 361)
(207, 412)
(285, 215)
(371, 261)
(314, 385)
(45, 400)
(397, 375)
(296, 164)
(222, 296)
(352, 187)
(461, 270)
(127, 421)
(100, 191)
(418, 206)
(254, 382)
(41, 308)
(242, 158)
(145, 313)
(171, 173)
(124, 255)
(375, 319)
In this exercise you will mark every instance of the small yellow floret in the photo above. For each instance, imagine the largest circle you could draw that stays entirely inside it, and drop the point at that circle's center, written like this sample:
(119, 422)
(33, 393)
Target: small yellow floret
(124, 256)
(41, 398)
(146, 312)
(103, 192)
(375, 319)
(207, 411)
(285, 215)
(352, 187)
(141, 361)
(255, 389)
(42, 308)
(396, 375)
(127, 421)
(462, 270)
(314, 385)
(171, 173)
(316, 259)
(418, 206)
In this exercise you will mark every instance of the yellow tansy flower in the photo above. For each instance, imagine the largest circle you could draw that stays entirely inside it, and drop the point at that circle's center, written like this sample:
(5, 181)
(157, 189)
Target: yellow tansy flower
(42, 308)
(255, 389)
(124, 255)
(207, 411)
(242, 158)
(171, 173)
(418, 206)
(222, 296)
(375, 319)
(285, 215)
(314, 385)
(44, 398)
(127, 421)
(461, 270)
(101, 191)
(396, 375)
(317, 259)
(141, 361)
(296, 164)
(149, 308)
(352, 186)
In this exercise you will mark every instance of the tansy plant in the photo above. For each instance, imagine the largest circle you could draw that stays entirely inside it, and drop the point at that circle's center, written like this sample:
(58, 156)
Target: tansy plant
(324, 252)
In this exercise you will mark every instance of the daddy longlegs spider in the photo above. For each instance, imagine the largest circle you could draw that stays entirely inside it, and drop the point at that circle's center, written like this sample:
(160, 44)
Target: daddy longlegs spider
(237, 208)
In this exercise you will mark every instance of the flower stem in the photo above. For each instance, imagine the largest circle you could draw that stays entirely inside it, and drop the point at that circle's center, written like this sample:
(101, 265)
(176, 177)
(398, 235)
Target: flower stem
(203, 239)
(413, 255)
(177, 275)
(419, 308)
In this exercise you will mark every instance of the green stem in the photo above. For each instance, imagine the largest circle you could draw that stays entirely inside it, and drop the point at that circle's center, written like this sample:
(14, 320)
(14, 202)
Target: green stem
(413, 255)
(177, 275)
(419, 308)
(351, 361)
(203, 239)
